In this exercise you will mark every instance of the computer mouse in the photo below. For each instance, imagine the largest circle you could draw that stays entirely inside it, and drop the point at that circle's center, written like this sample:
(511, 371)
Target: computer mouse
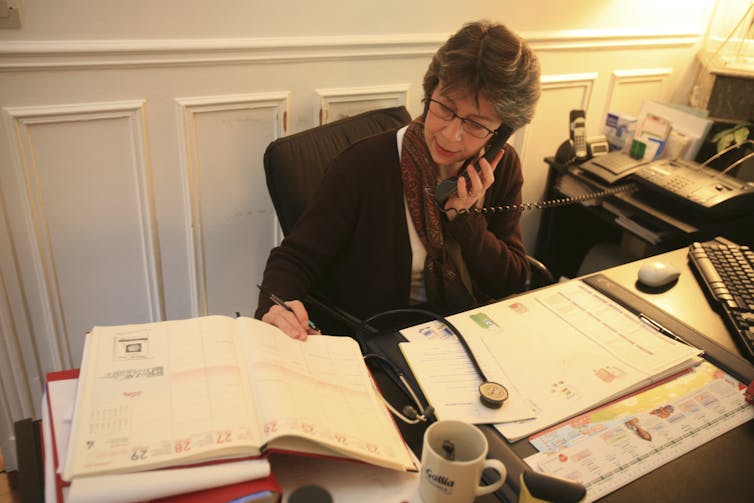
(657, 274)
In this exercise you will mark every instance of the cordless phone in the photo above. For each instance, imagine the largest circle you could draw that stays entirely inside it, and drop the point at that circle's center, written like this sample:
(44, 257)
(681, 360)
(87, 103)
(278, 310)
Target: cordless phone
(448, 187)
(577, 128)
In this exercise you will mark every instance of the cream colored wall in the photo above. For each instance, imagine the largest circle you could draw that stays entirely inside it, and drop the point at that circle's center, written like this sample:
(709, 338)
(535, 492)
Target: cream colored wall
(177, 19)
(132, 133)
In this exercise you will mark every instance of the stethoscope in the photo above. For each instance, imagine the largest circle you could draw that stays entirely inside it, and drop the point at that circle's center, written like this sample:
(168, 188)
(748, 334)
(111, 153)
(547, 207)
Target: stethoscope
(410, 414)
(491, 394)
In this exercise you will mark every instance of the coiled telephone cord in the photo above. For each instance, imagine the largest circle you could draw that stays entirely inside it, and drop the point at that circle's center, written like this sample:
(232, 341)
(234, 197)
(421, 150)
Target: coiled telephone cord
(552, 203)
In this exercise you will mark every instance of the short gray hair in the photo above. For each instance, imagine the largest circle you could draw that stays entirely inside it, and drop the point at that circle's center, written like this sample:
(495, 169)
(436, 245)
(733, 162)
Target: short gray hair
(491, 61)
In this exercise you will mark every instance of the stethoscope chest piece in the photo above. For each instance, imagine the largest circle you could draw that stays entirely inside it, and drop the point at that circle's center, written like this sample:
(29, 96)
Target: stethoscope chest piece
(492, 394)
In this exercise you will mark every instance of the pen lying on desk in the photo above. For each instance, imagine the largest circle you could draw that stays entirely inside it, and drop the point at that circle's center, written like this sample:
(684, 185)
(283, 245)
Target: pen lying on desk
(664, 331)
(277, 300)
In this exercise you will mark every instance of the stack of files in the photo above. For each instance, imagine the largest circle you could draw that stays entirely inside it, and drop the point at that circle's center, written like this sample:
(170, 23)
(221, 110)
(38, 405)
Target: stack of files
(246, 480)
(690, 127)
(560, 351)
(214, 393)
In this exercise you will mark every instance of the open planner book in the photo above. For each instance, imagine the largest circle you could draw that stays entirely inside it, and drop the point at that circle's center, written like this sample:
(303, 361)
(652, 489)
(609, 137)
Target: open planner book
(190, 391)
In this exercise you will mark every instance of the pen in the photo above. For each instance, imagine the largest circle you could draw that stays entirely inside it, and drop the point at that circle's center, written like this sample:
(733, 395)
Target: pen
(277, 300)
(664, 331)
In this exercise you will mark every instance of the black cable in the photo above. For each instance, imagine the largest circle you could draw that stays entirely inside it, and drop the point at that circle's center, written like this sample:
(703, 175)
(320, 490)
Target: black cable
(541, 205)
(433, 315)
(400, 380)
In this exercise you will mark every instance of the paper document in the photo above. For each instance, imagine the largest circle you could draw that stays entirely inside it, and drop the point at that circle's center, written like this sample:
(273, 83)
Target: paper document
(345, 481)
(684, 121)
(57, 411)
(609, 447)
(565, 349)
(450, 382)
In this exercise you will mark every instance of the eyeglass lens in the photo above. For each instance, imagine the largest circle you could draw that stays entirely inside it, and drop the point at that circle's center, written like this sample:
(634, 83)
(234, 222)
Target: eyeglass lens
(446, 113)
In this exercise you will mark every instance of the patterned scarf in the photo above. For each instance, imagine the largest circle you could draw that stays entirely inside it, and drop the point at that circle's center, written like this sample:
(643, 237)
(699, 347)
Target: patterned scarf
(446, 276)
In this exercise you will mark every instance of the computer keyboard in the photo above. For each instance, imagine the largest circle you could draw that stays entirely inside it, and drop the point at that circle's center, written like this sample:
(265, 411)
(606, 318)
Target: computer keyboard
(725, 270)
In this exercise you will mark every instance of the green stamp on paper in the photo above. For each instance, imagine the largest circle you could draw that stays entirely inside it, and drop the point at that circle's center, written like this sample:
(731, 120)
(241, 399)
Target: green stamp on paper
(483, 320)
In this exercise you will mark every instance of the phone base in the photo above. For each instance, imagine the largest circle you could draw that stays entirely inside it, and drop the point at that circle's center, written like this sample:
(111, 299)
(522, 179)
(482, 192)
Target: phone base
(565, 153)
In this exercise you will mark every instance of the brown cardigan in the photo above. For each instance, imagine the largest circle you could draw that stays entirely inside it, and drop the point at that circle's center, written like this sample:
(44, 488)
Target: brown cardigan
(353, 245)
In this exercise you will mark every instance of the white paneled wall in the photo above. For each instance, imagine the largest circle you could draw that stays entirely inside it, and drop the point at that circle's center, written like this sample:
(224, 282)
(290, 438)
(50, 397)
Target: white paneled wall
(92, 217)
(629, 87)
(344, 102)
(131, 180)
(560, 95)
(231, 222)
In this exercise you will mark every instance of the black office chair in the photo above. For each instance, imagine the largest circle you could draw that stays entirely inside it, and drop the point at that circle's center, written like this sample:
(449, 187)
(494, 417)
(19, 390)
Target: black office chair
(539, 274)
(294, 166)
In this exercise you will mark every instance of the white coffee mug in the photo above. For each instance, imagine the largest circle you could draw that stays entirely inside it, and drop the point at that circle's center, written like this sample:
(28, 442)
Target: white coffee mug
(453, 457)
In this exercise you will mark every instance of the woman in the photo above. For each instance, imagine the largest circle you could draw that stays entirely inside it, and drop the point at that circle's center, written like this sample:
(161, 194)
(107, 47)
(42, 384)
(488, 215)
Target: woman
(375, 238)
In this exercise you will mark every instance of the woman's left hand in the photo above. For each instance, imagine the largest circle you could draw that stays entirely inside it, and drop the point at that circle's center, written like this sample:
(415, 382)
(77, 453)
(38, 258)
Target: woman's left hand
(471, 193)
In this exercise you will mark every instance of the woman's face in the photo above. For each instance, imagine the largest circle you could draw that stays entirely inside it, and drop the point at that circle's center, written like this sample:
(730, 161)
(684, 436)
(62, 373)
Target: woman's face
(449, 144)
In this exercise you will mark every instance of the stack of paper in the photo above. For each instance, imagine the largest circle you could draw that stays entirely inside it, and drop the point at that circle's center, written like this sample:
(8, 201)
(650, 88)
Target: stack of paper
(651, 135)
(560, 351)
(688, 128)
(188, 399)
(208, 483)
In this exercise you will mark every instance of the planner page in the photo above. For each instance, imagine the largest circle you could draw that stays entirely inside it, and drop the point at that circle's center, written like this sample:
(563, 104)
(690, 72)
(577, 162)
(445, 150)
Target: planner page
(160, 394)
(608, 447)
(319, 393)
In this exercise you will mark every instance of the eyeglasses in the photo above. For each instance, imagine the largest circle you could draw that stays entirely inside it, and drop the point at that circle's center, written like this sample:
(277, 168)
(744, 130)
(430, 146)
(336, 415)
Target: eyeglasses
(444, 112)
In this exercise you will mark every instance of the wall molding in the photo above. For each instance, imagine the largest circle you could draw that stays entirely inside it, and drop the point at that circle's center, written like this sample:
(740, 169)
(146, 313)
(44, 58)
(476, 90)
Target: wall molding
(624, 78)
(82, 54)
(23, 119)
(17, 397)
(580, 81)
(584, 81)
(607, 39)
(366, 97)
(189, 109)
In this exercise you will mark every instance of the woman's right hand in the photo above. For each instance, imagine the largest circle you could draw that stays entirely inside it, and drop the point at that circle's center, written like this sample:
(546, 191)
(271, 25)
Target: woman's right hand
(295, 324)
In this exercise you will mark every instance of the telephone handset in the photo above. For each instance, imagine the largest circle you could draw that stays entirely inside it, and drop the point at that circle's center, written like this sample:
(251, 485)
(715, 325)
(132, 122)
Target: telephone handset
(447, 187)
(577, 129)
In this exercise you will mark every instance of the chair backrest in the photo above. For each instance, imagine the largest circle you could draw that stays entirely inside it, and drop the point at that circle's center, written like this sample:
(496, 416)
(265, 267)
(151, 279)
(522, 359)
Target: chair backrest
(294, 165)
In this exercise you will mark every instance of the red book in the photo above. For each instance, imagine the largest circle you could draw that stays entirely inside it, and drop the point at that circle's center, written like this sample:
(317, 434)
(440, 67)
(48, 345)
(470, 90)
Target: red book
(265, 490)
(60, 395)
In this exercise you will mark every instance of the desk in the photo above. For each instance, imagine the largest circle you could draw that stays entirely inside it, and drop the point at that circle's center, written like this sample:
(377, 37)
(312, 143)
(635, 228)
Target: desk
(567, 233)
(717, 471)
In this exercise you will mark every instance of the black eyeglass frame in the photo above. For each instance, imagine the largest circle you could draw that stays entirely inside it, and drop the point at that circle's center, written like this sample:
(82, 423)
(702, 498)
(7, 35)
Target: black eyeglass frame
(454, 115)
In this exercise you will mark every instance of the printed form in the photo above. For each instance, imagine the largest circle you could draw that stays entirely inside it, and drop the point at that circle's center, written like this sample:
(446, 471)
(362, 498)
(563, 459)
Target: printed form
(563, 350)
(608, 447)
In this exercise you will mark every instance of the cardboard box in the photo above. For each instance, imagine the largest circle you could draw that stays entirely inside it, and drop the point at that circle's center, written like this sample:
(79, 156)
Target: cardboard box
(619, 130)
